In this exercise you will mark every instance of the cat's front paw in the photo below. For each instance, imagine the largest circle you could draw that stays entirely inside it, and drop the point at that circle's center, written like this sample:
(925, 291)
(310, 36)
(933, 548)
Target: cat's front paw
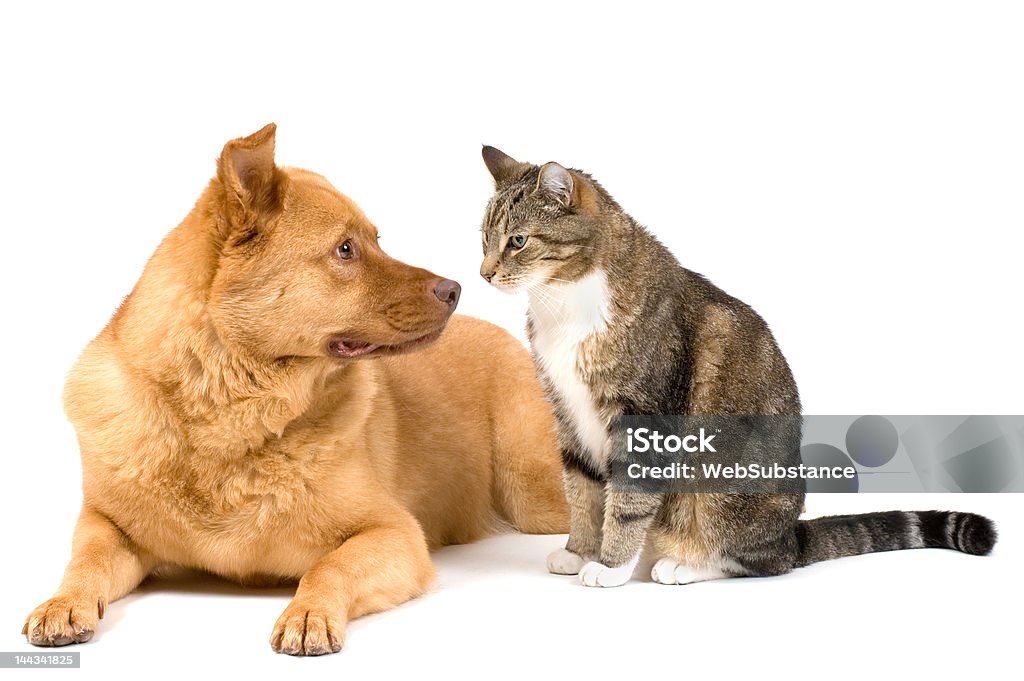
(597, 574)
(565, 562)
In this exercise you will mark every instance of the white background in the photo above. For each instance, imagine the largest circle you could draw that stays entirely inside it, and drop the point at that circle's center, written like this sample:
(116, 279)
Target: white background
(852, 170)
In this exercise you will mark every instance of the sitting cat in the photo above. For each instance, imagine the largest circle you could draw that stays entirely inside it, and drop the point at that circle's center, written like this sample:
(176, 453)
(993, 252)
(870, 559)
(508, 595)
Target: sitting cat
(618, 327)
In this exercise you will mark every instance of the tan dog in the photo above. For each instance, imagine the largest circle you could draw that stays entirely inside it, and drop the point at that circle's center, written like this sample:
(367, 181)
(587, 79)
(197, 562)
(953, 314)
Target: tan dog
(252, 410)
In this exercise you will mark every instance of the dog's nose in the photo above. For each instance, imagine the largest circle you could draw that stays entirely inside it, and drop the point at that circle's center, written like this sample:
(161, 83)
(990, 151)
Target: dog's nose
(448, 291)
(487, 276)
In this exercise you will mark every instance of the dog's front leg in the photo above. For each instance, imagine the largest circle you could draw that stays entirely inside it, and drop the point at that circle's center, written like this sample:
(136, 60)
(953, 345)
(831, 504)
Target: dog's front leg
(105, 565)
(381, 566)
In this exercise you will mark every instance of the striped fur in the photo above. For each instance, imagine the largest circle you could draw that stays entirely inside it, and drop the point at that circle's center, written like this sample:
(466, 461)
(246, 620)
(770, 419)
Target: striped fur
(851, 535)
(619, 327)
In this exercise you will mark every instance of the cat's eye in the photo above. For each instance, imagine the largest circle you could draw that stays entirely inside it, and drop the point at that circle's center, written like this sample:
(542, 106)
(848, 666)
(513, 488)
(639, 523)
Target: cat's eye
(517, 241)
(346, 250)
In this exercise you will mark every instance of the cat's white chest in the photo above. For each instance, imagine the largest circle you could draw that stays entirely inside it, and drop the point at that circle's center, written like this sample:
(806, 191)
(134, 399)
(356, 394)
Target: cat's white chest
(563, 316)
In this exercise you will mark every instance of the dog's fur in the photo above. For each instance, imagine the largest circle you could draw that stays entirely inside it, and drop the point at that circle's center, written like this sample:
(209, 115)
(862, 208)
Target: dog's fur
(226, 424)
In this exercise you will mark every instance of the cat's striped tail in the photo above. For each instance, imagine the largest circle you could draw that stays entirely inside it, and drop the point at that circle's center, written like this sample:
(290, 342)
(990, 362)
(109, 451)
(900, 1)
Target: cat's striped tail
(851, 535)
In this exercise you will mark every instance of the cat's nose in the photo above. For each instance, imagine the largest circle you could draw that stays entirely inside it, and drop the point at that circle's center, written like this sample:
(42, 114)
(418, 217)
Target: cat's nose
(487, 275)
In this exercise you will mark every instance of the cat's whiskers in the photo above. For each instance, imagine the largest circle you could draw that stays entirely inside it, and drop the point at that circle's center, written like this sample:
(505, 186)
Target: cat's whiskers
(561, 322)
(561, 281)
(546, 289)
(543, 298)
(550, 303)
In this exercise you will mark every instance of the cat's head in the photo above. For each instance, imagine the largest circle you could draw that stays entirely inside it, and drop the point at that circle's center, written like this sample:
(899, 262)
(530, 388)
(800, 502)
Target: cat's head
(541, 226)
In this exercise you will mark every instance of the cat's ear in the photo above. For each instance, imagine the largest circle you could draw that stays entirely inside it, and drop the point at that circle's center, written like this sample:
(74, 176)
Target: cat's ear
(556, 182)
(503, 168)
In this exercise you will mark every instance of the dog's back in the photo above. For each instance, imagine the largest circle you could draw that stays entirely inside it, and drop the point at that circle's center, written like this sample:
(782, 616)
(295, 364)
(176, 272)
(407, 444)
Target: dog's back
(475, 391)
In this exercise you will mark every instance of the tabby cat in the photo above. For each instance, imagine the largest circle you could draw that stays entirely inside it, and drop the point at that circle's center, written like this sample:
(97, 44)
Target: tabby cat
(618, 327)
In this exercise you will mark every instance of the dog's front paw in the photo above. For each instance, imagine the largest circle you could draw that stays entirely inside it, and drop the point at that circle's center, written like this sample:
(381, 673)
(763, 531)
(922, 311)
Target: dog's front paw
(565, 562)
(598, 574)
(307, 628)
(63, 620)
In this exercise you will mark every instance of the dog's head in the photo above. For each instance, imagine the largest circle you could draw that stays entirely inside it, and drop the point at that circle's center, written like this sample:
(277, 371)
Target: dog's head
(300, 272)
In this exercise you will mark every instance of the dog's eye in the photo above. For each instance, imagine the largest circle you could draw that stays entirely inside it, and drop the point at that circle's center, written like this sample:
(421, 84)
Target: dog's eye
(517, 240)
(346, 250)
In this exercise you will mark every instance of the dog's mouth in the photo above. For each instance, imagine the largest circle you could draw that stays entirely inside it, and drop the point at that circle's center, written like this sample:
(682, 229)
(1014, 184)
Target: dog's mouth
(350, 348)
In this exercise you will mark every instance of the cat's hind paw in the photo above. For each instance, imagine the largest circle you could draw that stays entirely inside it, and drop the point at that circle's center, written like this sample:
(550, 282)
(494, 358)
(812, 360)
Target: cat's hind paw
(596, 574)
(671, 571)
(565, 562)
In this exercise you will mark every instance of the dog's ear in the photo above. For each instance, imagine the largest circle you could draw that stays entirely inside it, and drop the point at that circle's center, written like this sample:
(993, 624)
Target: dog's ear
(253, 185)
(504, 169)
